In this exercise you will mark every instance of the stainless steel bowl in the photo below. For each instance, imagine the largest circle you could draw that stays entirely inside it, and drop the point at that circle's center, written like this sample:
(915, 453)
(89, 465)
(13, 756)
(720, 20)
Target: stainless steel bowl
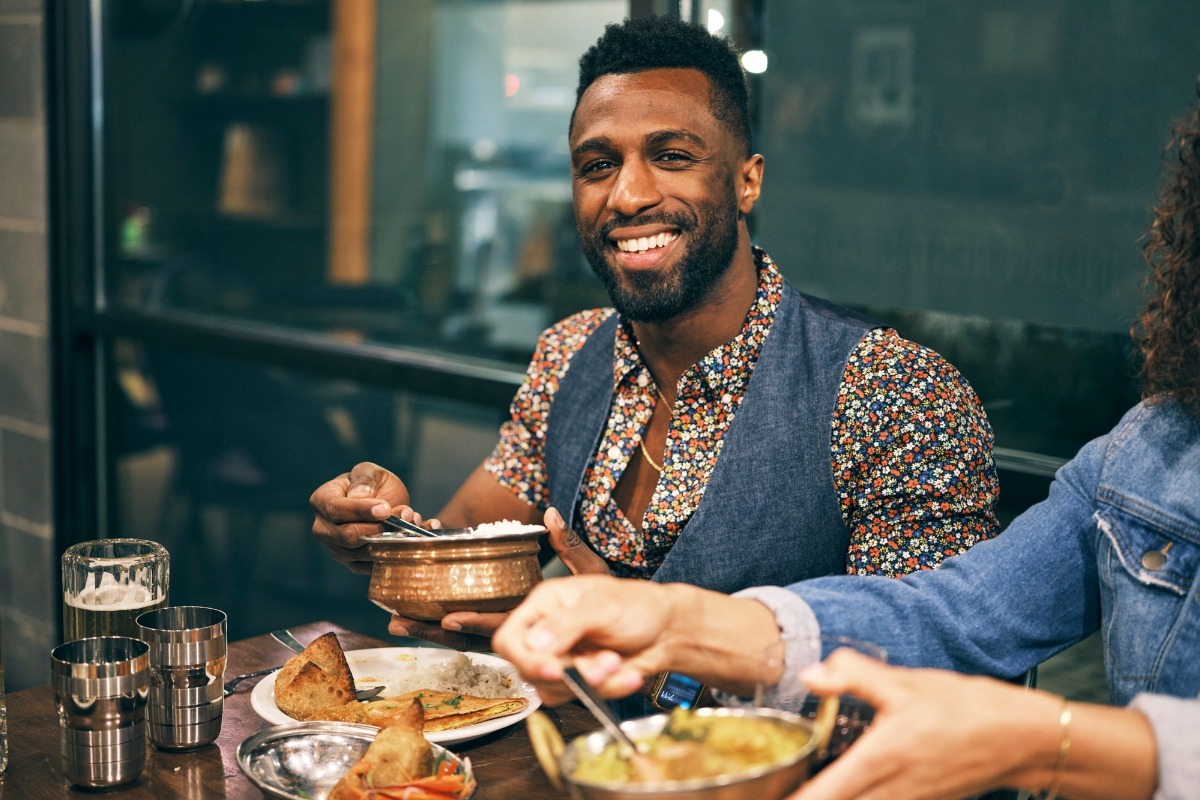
(303, 760)
(428, 578)
(768, 782)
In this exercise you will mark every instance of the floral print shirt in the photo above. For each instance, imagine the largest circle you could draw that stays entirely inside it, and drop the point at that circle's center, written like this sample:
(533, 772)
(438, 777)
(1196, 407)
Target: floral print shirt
(910, 445)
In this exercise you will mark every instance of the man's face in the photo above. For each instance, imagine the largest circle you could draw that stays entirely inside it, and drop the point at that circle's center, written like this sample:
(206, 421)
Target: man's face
(658, 183)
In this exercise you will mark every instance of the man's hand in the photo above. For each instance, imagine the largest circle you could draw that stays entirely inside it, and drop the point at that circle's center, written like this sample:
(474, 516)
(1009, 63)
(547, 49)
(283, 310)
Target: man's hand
(572, 550)
(473, 634)
(470, 630)
(351, 505)
(617, 631)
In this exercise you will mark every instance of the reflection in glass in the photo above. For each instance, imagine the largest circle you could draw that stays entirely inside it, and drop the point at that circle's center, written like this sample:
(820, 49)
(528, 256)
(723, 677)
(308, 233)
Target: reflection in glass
(221, 186)
(216, 459)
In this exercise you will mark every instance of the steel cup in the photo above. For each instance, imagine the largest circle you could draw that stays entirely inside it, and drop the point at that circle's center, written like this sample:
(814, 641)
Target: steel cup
(187, 668)
(101, 686)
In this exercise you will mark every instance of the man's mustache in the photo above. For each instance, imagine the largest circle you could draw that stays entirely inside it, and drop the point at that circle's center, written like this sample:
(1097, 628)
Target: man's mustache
(683, 222)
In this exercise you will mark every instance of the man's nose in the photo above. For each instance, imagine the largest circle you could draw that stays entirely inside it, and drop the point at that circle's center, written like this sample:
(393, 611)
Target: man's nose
(634, 190)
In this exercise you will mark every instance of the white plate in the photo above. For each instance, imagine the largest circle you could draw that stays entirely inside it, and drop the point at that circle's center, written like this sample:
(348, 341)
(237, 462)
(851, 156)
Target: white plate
(383, 660)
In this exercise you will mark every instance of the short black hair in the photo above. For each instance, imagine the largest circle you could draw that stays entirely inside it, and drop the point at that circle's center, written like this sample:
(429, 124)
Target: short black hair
(638, 45)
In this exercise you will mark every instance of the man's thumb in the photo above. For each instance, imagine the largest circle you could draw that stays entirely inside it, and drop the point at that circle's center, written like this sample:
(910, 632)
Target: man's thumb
(574, 553)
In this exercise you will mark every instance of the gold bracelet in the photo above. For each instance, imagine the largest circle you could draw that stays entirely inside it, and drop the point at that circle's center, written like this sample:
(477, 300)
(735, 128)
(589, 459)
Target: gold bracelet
(1064, 746)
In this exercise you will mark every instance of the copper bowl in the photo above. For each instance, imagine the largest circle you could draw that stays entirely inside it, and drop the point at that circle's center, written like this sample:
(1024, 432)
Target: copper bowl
(428, 578)
(766, 782)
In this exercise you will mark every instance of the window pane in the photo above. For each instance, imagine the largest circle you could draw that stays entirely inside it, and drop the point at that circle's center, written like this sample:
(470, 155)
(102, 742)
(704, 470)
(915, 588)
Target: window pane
(240, 182)
(216, 460)
(979, 174)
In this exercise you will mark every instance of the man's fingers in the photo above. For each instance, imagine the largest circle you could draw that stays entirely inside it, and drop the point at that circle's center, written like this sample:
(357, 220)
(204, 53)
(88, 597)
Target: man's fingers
(473, 622)
(433, 632)
(344, 536)
(365, 480)
(574, 553)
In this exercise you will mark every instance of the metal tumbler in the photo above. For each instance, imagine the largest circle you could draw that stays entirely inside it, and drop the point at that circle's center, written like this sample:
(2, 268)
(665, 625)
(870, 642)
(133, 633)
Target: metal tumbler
(100, 690)
(187, 668)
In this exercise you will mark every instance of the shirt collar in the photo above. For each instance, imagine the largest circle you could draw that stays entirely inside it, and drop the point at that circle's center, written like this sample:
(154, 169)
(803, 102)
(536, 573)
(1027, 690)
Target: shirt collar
(717, 371)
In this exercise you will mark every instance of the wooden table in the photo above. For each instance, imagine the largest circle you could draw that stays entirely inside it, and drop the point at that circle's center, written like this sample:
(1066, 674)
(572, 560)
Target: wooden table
(505, 766)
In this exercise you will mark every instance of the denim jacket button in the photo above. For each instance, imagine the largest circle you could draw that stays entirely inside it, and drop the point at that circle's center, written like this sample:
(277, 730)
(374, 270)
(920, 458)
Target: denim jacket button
(1154, 560)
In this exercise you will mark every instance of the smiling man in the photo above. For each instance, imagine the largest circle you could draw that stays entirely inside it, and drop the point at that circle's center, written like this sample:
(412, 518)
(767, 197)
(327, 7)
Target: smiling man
(715, 426)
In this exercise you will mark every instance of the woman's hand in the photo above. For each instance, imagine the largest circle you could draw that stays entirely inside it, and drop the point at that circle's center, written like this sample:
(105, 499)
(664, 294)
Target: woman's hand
(941, 735)
(617, 632)
(621, 631)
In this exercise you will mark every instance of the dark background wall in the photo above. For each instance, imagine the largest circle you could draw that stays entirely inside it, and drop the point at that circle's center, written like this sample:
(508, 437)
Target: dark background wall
(28, 604)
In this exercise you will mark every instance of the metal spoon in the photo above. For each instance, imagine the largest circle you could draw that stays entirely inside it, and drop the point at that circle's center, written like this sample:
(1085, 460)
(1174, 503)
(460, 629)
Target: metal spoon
(412, 529)
(232, 683)
(599, 708)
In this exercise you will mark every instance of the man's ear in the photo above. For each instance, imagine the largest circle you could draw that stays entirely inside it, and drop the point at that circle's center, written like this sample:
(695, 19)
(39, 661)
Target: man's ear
(751, 183)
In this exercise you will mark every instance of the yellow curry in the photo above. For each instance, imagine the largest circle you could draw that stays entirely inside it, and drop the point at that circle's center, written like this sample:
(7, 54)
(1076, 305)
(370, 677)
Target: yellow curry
(694, 746)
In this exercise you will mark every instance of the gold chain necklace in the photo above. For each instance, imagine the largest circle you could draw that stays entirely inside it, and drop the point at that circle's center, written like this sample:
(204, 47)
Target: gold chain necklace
(645, 452)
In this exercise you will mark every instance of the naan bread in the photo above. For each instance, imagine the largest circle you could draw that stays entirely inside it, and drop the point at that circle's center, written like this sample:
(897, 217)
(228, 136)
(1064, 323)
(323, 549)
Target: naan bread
(443, 710)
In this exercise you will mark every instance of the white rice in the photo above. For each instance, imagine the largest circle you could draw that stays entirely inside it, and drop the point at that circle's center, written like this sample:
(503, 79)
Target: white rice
(505, 526)
(485, 529)
(455, 674)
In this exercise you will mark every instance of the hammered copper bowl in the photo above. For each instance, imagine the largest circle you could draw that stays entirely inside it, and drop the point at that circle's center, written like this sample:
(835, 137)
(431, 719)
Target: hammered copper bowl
(428, 578)
(768, 782)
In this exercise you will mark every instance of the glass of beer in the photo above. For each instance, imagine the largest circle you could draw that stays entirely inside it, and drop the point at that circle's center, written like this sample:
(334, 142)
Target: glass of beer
(109, 582)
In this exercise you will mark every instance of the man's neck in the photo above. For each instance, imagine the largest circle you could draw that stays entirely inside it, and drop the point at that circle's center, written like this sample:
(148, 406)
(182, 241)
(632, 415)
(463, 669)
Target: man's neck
(671, 347)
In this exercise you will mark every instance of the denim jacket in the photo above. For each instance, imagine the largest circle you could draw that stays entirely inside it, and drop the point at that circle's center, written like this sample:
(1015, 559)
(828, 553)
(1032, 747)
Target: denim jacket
(1115, 548)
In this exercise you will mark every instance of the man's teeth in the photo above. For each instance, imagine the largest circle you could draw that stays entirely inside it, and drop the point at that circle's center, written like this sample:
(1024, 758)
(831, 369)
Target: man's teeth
(644, 243)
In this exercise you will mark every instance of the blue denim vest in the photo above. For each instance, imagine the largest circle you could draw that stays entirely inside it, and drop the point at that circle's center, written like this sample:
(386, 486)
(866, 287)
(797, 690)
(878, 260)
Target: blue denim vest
(770, 513)
(1115, 548)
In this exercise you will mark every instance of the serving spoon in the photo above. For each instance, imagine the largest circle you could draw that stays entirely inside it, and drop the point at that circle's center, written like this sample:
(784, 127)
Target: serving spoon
(599, 708)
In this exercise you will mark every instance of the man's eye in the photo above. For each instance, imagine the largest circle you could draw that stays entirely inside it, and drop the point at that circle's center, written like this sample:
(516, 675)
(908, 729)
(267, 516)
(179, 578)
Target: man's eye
(674, 157)
(597, 166)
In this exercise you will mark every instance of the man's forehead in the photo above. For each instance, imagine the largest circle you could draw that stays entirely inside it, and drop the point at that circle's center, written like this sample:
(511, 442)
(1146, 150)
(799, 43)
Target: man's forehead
(675, 98)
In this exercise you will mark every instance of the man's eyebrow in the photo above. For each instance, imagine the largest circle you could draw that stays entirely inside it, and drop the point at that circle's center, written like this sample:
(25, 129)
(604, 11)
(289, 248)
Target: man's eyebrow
(659, 138)
(655, 139)
(587, 145)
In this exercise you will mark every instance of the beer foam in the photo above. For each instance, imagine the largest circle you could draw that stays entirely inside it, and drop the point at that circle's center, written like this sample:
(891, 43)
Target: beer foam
(112, 595)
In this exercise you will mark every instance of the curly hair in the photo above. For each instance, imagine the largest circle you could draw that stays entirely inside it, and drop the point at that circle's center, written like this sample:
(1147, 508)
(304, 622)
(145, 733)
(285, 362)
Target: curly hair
(1168, 332)
(637, 45)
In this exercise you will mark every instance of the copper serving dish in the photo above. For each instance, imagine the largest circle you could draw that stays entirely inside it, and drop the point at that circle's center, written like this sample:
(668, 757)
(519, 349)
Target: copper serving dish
(427, 578)
(767, 782)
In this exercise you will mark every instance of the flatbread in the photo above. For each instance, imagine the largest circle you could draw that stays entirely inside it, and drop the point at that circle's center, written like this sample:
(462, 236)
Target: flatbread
(316, 684)
(444, 711)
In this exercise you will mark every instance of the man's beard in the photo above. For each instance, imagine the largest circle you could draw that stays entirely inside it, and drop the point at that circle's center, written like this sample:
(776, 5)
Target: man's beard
(654, 296)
